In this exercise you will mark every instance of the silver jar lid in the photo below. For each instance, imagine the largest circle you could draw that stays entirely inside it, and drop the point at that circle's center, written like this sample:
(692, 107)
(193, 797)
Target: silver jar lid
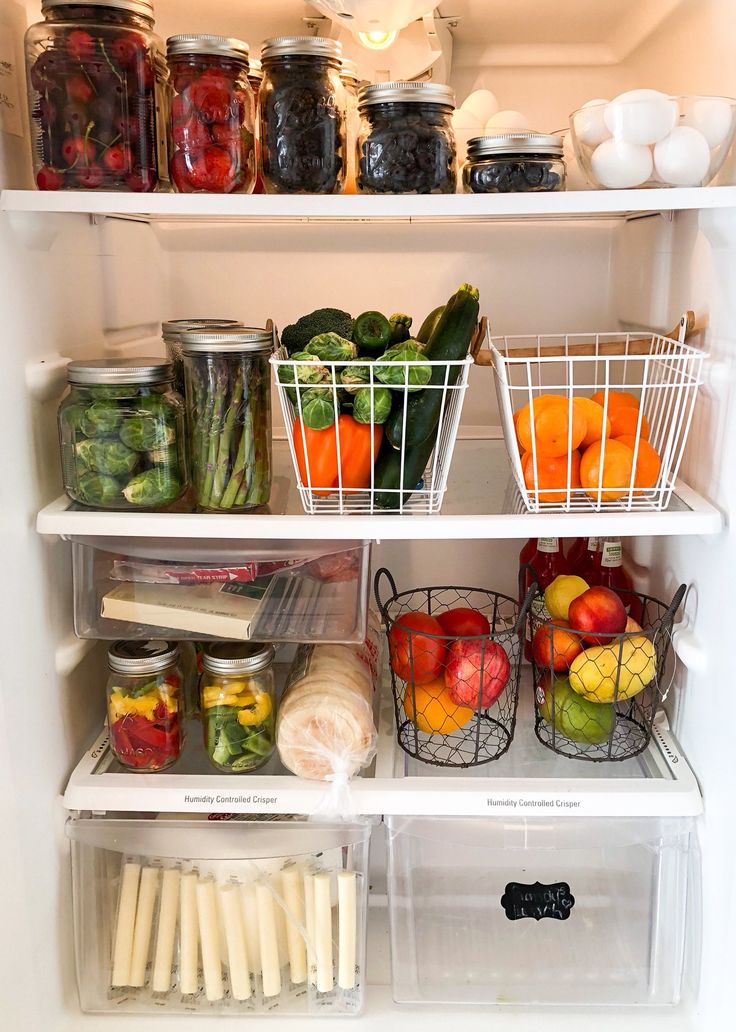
(406, 92)
(235, 657)
(349, 70)
(98, 371)
(173, 328)
(143, 7)
(301, 46)
(227, 339)
(218, 46)
(514, 143)
(142, 657)
(255, 69)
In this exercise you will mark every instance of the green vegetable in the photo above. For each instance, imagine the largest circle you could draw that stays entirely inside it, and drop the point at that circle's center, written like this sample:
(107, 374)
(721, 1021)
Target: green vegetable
(114, 391)
(164, 457)
(355, 376)
(429, 325)
(450, 342)
(155, 403)
(331, 347)
(74, 415)
(391, 370)
(101, 418)
(95, 489)
(387, 477)
(107, 456)
(400, 327)
(323, 320)
(372, 333)
(146, 433)
(318, 408)
(382, 398)
(155, 486)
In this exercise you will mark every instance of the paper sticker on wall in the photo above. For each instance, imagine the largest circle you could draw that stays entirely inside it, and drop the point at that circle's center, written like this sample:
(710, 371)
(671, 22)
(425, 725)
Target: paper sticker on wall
(10, 94)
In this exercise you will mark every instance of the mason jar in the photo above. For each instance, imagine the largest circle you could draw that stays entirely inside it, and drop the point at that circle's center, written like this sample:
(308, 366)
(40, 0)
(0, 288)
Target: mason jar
(228, 396)
(406, 142)
(145, 703)
(121, 432)
(518, 162)
(212, 115)
(303, 116)
(350, 81)
(95, 84)
(238, 704)
(171, 332)
(255, 78)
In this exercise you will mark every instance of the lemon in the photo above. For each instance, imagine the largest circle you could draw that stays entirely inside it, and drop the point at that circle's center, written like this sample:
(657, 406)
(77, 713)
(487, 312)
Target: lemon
(561, 592)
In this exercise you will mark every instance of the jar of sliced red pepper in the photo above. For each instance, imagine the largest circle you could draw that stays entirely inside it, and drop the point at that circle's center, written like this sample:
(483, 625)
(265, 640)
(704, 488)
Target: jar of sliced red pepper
(212, 115)
(96, 83)
(145, 703)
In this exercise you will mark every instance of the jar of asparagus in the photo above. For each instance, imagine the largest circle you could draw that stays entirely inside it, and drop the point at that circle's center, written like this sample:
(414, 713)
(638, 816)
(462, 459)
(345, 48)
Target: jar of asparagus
(228, 400)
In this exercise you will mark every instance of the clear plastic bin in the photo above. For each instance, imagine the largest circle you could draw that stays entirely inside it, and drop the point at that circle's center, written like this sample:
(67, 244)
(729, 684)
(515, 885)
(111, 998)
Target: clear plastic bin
(542, 910)
(288, 591)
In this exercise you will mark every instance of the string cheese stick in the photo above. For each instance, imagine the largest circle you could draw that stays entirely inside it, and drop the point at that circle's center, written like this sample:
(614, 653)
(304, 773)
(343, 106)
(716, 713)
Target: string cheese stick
(209, 937)
(269, 944)
(280, 917)
(166, 931)
(346, 919)
(292, 890)
(143, 925)
(123, 948)
(188, 934)
(323, 933)
(309, 924)
(237, 955)
(249, 911)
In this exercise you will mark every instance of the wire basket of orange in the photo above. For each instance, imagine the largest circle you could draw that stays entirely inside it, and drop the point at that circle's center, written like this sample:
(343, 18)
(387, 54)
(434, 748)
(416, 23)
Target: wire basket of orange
(596, 421)
(455, 657)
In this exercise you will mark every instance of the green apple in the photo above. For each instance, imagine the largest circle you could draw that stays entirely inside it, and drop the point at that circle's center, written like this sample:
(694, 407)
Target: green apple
(574, 717)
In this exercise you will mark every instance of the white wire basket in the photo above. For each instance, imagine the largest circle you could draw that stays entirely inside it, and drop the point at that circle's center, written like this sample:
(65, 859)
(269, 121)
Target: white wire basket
(425, 495)
(662, 373)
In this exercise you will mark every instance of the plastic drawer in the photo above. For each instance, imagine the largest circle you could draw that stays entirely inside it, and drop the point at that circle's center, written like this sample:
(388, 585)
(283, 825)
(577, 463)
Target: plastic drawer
(588, 911)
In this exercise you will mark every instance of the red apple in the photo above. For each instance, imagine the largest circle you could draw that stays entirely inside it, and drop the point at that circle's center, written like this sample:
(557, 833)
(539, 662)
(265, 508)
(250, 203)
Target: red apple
(476, 670)
(554, 647)
(598, 611)
(416, 656)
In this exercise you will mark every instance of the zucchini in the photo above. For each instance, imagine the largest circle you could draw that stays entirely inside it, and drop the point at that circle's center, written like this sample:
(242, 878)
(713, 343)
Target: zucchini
(387, 475)
(428, 326)
(372, 333)
(450, 342)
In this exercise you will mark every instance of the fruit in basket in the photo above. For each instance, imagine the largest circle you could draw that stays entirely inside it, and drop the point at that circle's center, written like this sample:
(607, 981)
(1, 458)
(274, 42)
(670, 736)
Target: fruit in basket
(431, 708)
(616, 400)
(595, 612)
(523, 417)
(554, 646)
(476, 672)
(648, 462)
(463, 622)
(574, 717)
(416, 657)
(563, 590)
(613, 471)
(613, 672)
(625, 421)
(558, 431)
(552, 474)
(595, 426)
(631, 626)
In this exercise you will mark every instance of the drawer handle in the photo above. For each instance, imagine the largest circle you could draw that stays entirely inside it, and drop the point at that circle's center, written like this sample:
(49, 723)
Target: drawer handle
(537, 901)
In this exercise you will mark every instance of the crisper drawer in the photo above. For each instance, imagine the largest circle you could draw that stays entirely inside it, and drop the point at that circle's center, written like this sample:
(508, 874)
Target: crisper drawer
(289, 591)
(539, 911)
(229, 916)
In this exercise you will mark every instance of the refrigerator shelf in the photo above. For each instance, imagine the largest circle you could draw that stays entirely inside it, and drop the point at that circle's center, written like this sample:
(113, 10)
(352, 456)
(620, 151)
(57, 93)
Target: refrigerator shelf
(482, 502)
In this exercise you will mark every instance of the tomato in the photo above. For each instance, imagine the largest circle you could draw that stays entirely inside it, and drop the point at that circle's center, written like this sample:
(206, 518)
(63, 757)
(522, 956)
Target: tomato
(464, 623)
(415, 657)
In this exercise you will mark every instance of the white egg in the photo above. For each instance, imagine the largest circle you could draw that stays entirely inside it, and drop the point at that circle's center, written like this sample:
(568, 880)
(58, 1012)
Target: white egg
(683, 157)
(590, 125)
(641, 116)
(482, 104)
(618, 165)
(712, 116)
(507, 121)
(462, 119)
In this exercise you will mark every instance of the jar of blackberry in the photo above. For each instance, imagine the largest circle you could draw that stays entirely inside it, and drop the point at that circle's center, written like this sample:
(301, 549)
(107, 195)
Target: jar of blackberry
(212, 115)
(406, 142)
(96, 82)
(303, 117)
(518, 162)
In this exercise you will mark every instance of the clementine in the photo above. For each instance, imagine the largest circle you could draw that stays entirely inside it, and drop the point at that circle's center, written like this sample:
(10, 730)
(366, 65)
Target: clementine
(595, 428)
(552, 475)
(616, 399)
(648, 462)
(625, 421)
(431, 709)
(610, 480)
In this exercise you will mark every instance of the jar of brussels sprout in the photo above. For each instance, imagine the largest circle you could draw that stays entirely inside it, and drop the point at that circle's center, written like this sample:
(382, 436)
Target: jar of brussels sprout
(228, 397)
(121, 431)
(238, 702)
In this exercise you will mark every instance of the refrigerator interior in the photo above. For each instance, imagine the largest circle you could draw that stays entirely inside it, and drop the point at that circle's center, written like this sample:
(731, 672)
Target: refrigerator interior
(75, 285)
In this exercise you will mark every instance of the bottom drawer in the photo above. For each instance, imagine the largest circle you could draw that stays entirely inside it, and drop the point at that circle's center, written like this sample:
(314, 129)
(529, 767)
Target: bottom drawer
(228, 916)
(586, 911)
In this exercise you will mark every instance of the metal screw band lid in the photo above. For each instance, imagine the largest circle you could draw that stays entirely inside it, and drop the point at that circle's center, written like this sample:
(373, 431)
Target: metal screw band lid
(220, 46)
(349, 70)
(142, 7)
(306, 46)
(91, 372)
(230, 657)
(255, 69)
(142, 657)
(226, 339)
(515, 143)
(406, 92)
(172, 329)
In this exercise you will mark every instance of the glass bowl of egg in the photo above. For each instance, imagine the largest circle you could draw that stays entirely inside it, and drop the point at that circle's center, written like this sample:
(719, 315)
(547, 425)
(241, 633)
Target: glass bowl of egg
(644, 138)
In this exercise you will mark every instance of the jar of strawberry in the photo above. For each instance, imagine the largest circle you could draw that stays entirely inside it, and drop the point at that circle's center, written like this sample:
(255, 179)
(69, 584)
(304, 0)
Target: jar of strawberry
(96, 85)
(212, 115)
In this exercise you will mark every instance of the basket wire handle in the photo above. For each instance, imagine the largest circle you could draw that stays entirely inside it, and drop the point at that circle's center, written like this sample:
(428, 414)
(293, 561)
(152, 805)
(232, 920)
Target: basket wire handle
(383, 572)
(521, 620)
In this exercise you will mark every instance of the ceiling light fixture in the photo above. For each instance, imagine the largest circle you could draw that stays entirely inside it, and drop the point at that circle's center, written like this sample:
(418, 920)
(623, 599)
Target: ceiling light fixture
(377, 40)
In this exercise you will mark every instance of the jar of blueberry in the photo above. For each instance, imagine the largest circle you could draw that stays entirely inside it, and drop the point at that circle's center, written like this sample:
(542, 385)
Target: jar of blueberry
(519, 162)
(96, 81)
(406, 143)
(302, 116)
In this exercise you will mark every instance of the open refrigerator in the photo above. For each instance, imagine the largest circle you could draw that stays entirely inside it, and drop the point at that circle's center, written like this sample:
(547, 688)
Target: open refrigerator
(85, 273)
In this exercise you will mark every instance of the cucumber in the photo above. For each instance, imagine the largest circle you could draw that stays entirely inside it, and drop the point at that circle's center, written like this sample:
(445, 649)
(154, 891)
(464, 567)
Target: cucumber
(387, 474)
(428, 326)
(372, 334)
(450, 342)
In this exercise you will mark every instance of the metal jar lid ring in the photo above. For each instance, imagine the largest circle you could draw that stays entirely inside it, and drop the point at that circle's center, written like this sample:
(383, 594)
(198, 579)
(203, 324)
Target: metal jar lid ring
(142, 657)
(101, 371)
(237, 657)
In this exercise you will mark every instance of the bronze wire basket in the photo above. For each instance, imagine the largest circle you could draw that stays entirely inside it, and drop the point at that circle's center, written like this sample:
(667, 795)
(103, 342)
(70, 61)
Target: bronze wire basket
(487, 732)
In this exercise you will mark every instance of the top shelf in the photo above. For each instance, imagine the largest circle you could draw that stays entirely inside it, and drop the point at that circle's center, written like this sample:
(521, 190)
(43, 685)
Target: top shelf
(308, 208)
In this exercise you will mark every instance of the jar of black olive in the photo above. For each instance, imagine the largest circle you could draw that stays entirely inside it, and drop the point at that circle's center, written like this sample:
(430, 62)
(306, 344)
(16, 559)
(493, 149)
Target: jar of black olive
(518, 162)
(302, 116)
(406, 143)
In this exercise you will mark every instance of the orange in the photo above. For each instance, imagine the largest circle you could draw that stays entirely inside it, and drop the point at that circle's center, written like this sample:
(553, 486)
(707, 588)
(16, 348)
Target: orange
(625, 421)
(594, 419)
(552, 475)
(554, 431)
(648, 463)
(617, 470)
(616, 400)
(436, 713)
(522, 418)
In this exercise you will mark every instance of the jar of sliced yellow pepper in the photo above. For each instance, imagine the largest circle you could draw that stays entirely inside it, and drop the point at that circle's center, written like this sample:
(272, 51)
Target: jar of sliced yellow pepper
(238, 703)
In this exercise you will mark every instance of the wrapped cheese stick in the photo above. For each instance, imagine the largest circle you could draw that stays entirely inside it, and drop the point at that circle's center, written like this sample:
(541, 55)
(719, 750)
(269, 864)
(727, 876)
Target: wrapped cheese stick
(323, 932)
(309, 924)
(188, 934)
(125, 925)
(237, 954)
(270, 967)
(249, 910)
(166, 933)
(346, 914)
(209, 936)
(143, 925)
(292, 891)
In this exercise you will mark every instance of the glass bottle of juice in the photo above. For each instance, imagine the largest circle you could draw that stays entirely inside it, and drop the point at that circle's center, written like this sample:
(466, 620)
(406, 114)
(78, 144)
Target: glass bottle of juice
(587, 565)
(610, 573)
(575, 552)
(547, 563)
(525, 556)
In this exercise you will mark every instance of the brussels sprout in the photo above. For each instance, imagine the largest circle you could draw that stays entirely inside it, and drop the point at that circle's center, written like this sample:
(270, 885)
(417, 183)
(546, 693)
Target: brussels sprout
(155, 403)
(94, 489)
(74, 415)
(354, 376)
(382, 399)
(105, 456)
(114, 391)
(393, 374)
(331, 347)
(101, 418)
(312, 373)
(153, 487)
(146, 433)
(318, 409)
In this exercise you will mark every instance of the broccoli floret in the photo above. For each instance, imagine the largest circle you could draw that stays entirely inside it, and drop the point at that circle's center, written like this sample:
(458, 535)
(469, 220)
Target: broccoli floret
(324, 320)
